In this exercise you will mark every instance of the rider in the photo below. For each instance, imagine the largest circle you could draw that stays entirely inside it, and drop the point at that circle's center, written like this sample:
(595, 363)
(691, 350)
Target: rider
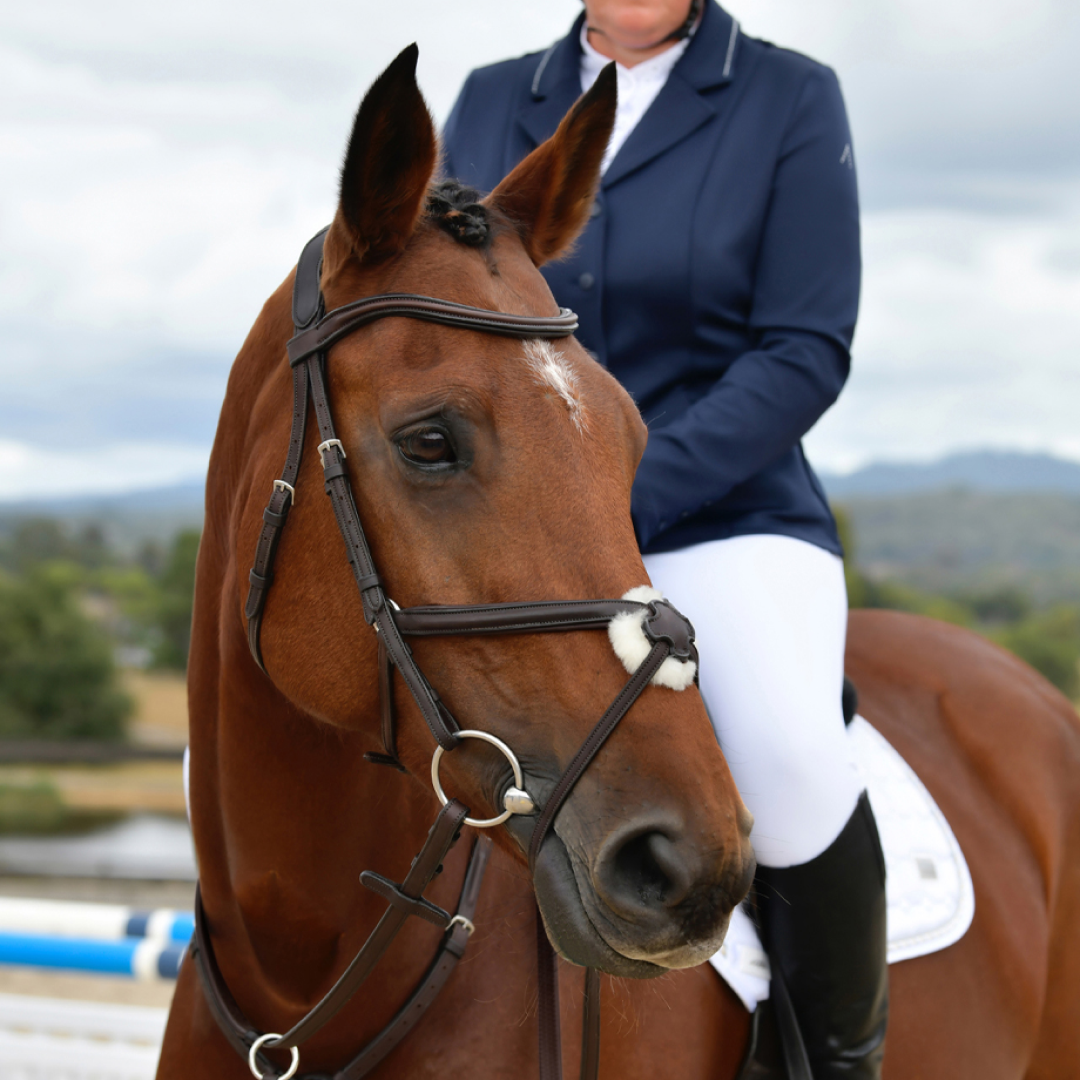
(718, 279)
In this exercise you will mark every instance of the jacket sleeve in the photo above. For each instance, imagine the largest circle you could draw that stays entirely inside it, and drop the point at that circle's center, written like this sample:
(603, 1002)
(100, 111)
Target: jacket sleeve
(802, 317)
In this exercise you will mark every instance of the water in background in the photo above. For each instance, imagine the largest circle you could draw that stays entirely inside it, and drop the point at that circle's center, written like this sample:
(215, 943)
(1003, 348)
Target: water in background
(144, 846)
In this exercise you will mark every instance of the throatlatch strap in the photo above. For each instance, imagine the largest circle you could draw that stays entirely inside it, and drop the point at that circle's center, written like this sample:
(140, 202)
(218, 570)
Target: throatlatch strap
(275, 516)
(306, 309)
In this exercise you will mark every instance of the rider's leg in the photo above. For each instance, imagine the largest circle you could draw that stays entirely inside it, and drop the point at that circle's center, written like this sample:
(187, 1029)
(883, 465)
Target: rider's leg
(770, 614)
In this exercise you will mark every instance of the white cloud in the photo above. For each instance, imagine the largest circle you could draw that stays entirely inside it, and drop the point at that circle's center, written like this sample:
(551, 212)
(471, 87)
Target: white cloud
(969, 336)
(160, 166)
(29, 471)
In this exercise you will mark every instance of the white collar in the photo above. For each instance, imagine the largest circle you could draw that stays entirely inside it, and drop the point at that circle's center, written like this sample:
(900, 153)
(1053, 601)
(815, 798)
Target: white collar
(655, 69)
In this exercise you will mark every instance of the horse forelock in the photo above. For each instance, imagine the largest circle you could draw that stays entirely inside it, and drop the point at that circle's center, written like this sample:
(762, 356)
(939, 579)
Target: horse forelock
(456, 209)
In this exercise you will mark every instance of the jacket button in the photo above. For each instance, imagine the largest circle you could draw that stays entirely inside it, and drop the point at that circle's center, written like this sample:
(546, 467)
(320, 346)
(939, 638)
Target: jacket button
(596, 210)
(586, 281)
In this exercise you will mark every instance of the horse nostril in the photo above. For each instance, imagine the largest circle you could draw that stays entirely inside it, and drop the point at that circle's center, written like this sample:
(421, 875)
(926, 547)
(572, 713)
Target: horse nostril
(645, 874)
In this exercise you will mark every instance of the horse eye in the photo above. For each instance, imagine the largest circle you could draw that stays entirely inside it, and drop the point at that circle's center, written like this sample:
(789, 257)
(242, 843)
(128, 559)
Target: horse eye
(427, 446)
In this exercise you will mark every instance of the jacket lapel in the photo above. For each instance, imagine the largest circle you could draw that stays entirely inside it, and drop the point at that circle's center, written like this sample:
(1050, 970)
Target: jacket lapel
(678, 111)
(679, 108)
(555, 87)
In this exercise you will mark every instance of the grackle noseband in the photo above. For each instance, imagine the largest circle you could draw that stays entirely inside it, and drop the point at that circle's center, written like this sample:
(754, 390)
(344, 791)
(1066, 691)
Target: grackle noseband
(668, 632)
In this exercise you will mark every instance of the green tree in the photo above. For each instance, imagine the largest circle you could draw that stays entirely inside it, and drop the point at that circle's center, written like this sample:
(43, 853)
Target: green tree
(37, 541)
(57, 677)
(857, 585)
(1050, 642)
(176, 594)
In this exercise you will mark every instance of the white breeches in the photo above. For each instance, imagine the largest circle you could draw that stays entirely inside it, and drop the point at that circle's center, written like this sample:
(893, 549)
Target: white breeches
(770, 614)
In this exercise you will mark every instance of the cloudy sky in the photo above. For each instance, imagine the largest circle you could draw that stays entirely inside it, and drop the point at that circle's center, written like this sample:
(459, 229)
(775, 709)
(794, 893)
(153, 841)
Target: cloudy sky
(161, 166)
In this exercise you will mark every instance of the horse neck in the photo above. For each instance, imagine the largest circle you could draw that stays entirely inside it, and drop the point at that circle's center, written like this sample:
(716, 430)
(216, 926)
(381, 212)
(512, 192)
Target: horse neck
(286, 813)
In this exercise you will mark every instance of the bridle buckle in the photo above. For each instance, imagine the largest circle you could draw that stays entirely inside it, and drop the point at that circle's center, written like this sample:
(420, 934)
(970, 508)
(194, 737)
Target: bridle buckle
(284, 485)
(324, 448)
(466, 924)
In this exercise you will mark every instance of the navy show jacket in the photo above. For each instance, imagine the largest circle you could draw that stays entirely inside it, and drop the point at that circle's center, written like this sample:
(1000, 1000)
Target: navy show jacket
(718, 278)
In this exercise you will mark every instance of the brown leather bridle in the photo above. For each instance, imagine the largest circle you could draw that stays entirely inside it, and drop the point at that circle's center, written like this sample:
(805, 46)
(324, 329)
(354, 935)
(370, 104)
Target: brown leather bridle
(668, 632)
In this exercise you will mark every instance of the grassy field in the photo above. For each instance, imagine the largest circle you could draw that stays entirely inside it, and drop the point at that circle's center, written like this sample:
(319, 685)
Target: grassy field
(39, 798)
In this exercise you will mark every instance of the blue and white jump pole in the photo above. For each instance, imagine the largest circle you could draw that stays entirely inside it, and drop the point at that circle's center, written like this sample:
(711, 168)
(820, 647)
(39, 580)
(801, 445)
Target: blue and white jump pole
(105, 938)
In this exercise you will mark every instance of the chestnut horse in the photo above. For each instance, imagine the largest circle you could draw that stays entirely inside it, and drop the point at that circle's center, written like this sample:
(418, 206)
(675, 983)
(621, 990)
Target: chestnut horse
(486, 469)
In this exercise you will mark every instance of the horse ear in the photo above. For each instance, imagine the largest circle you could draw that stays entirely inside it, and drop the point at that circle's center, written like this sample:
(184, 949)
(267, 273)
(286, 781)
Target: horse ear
(549, 195)
(389, 162)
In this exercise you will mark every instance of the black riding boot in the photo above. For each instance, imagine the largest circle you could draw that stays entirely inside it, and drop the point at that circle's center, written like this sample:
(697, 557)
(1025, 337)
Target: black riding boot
(823, 924)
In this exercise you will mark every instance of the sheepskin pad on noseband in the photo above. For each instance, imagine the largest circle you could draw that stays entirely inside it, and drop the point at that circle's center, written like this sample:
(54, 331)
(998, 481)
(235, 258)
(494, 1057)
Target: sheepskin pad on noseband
(632, 646)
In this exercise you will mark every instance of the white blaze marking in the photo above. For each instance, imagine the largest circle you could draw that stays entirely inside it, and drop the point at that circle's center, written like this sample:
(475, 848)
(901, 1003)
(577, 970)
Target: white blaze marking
(553, 370)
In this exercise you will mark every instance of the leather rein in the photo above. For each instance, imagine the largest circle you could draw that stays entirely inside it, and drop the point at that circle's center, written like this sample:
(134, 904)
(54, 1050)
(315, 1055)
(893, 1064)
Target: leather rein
(668, 633)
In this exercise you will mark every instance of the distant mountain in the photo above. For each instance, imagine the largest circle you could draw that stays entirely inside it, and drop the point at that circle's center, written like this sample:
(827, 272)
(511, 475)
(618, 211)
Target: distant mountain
(179, 498)
(956, 540)
(980, 470)
(127, 521)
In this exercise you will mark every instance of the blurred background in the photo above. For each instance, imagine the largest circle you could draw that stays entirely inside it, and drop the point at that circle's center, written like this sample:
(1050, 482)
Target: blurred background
(162, 165)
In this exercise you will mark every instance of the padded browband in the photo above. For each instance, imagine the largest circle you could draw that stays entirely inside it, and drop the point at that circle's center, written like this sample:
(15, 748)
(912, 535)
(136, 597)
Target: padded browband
(344, 320)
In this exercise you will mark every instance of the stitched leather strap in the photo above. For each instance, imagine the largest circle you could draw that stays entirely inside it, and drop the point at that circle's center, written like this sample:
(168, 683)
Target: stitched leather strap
(275, 516)
(306, 308)
(547, 980)
(590, 1026)
(241, 1034)
(388, 719)
(314, 333)
(512, 618)
(547, 1005)
(348, 318)
(547, 977)
(550, 1046)
(630, 692)
(376, 610)
(450, 952)
(425, 866)
(232, 1021)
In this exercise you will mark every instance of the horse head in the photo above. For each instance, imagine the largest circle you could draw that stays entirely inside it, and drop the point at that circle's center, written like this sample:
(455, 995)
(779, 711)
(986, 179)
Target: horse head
(486, 469)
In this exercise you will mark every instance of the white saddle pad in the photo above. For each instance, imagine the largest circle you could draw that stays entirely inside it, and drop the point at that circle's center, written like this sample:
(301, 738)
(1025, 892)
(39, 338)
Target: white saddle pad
(929, 896)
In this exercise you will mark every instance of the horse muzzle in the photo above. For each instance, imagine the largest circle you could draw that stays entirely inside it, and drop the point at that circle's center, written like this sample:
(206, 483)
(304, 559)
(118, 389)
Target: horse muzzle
(648, 901)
